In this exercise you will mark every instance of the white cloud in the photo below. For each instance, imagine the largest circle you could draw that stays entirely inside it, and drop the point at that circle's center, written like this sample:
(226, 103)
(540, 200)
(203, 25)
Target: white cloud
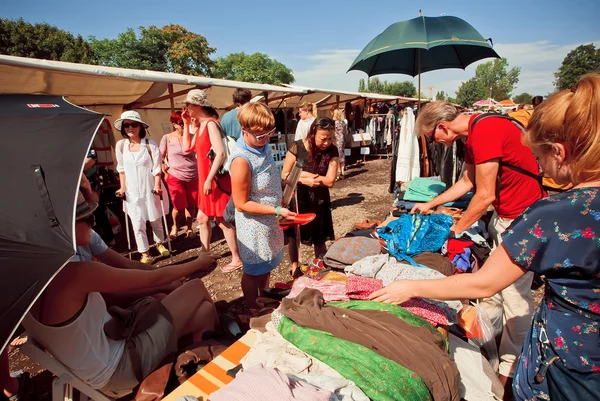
(538, 62)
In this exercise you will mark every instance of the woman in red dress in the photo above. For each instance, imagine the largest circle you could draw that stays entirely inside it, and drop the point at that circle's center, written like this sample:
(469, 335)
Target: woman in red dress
(213, 191)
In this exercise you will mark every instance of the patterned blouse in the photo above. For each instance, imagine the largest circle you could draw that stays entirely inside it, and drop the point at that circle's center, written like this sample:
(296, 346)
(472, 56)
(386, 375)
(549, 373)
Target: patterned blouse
(559, 238)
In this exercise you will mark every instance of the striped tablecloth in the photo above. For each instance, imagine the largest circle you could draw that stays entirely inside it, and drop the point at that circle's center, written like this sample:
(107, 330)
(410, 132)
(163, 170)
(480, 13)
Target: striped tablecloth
(214, 375)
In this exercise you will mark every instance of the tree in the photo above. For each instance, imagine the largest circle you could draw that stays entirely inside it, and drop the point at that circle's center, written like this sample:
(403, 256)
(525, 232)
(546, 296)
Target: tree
(440, 96)
(374, 85)
(44, 41)
(523, 98)
(171, 48)
(492, 78)
(257, 67)
(580, 61)
(469, 92)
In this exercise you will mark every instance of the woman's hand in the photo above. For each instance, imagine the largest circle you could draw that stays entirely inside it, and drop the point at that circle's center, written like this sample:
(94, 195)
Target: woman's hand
(310, 181)
(157, 190)
(207, 187)
(185, 116)
(119, 193)
(396, 293)
(286, 213)
(421, 208)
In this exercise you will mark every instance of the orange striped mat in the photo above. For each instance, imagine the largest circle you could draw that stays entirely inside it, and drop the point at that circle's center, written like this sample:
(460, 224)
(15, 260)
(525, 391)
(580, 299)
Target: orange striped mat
(214, 375)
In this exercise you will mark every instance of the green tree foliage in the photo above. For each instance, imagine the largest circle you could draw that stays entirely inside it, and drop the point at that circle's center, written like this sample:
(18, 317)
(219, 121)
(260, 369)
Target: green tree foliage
(257, 67)
(440, 95)
(19, 38)
(493, 77)
(580, 61)
(374, 85)
(523, 98)
(171, 48)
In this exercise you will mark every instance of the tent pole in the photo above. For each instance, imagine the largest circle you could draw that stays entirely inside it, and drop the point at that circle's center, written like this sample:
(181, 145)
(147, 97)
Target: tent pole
(171, 98)
(419, 67)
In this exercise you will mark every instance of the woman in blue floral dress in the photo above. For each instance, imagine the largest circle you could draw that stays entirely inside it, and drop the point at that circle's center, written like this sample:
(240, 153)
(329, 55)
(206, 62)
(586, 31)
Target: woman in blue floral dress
(557, 237)
(256, 193)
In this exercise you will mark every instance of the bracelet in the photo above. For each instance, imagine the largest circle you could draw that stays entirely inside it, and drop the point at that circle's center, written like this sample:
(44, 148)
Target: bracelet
(278, 211)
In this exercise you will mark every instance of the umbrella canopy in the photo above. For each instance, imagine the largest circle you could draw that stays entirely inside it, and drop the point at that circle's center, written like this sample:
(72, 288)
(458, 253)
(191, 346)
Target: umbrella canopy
(507, 103)
(448, 42)
(485, 103)
(44, 143)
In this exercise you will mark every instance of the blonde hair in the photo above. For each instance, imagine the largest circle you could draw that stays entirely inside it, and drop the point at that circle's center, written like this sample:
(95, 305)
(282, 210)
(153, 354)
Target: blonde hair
(572, 118)
(338, 115)
(256, 117)
(309, 107)
(434, 113)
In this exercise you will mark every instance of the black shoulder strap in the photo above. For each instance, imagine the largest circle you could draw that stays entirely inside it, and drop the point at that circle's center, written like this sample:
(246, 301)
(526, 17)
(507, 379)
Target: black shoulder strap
(497, 115)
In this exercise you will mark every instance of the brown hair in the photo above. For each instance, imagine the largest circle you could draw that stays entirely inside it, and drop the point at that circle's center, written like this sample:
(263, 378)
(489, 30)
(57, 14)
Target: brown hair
(256, 117)
(434, 113)
(241, 96)
(310, 107)
(572, 118)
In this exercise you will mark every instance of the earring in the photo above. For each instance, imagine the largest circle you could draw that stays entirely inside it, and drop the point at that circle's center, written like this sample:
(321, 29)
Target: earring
(559, 167)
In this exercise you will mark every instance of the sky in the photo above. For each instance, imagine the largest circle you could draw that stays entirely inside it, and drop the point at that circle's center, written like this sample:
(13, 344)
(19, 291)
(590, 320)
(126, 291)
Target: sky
(319, 40)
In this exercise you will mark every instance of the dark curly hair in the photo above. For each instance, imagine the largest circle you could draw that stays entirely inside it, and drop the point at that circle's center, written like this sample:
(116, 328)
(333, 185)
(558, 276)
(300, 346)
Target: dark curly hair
(316, 157)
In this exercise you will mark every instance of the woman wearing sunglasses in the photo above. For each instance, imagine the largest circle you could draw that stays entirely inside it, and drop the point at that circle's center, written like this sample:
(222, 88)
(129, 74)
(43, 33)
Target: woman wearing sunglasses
(181, 175)
(319, 156)
(256, 192)
(139, 173)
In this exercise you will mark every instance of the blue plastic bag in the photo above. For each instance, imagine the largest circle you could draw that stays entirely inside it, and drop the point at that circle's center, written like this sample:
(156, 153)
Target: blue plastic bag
(413, 234)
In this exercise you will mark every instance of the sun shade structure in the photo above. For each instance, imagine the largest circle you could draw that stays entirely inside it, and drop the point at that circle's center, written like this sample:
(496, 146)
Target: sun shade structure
(423, 44)
(44, 143)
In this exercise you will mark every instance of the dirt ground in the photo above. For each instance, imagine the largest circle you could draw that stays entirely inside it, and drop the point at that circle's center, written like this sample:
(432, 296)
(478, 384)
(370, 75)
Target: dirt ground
(362, 195)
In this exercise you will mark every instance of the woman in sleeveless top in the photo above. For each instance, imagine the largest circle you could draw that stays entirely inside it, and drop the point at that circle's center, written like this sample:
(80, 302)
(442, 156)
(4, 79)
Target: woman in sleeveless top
(257, 193)
(557, 237)
(68, 319)
(213, 191)
(139, 173)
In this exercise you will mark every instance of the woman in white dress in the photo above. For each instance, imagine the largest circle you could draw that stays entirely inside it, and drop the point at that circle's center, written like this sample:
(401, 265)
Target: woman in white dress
(139, 173)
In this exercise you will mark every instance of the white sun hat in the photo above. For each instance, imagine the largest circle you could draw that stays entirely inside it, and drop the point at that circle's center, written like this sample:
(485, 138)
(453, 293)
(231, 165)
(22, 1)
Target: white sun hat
(131, 115)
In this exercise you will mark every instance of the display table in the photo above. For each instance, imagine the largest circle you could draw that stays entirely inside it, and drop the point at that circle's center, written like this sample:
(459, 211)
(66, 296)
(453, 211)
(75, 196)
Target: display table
(214, 376)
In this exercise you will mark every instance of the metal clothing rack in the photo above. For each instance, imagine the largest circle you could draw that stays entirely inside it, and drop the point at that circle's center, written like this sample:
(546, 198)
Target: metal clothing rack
(393, 118)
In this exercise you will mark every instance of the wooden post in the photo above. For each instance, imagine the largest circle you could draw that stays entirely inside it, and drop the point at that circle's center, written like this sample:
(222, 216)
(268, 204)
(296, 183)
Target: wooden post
(337, 101)
(171, 98)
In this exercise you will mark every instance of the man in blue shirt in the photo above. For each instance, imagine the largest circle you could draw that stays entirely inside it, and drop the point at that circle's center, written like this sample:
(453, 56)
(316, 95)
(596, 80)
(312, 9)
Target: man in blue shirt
(229, 121)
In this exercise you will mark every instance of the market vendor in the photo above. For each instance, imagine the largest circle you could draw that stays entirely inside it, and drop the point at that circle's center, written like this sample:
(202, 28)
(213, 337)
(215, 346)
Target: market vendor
(503, 172)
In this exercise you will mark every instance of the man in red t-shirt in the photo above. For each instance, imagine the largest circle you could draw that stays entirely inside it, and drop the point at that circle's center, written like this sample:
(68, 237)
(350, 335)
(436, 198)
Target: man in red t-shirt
(489, 147)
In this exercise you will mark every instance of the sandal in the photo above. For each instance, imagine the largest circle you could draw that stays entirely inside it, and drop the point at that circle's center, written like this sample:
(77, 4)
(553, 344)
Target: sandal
(191, 234)
(231, 267)
(22, 378)
(173, 233)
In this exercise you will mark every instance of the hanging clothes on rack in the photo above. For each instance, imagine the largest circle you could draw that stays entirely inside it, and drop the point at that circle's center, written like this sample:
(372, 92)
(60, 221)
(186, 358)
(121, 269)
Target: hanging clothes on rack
(407, 163)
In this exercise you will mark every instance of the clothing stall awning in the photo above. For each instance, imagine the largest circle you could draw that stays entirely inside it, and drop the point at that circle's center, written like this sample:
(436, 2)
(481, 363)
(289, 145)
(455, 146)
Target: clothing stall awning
(92, 85)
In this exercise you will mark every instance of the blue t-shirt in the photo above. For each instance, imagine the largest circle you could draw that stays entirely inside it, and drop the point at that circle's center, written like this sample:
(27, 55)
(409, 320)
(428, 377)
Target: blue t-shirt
(85, 252)
(230, 124)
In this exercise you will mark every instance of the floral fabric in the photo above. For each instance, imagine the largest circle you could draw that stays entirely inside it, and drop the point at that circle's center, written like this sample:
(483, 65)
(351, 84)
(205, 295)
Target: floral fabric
(559, 238)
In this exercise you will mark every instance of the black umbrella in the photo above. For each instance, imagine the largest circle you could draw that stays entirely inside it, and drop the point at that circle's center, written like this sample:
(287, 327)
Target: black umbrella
(44, 141)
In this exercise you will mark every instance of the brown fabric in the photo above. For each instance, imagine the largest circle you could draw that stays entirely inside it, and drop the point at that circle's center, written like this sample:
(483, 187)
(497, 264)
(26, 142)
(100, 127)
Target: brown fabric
(152, 388)
(260, 323)
(141, 315)
(435, 261)
(415, 348)
(127, 323)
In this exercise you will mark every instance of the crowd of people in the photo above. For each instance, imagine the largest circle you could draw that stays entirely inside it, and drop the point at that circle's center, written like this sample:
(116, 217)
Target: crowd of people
(551, 353)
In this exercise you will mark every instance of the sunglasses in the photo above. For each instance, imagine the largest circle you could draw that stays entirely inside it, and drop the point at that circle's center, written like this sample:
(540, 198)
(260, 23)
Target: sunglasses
(262, 136)
(132, 125)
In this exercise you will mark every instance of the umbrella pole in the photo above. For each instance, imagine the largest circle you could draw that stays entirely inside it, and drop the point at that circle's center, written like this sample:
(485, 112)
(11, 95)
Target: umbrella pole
(419, 69)
(127, 229)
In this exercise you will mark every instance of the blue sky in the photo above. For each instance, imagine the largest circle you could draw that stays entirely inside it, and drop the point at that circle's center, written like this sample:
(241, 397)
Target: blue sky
(319, 39)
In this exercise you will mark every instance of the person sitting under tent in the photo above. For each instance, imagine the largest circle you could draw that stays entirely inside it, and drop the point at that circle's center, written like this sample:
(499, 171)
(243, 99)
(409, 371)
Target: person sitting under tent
(70, 318)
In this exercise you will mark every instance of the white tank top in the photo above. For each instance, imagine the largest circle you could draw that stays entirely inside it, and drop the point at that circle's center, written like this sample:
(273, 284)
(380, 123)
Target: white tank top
(82, 345)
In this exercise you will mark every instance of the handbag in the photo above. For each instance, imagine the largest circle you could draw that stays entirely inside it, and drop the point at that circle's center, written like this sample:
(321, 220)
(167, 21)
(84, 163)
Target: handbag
(229, 144)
